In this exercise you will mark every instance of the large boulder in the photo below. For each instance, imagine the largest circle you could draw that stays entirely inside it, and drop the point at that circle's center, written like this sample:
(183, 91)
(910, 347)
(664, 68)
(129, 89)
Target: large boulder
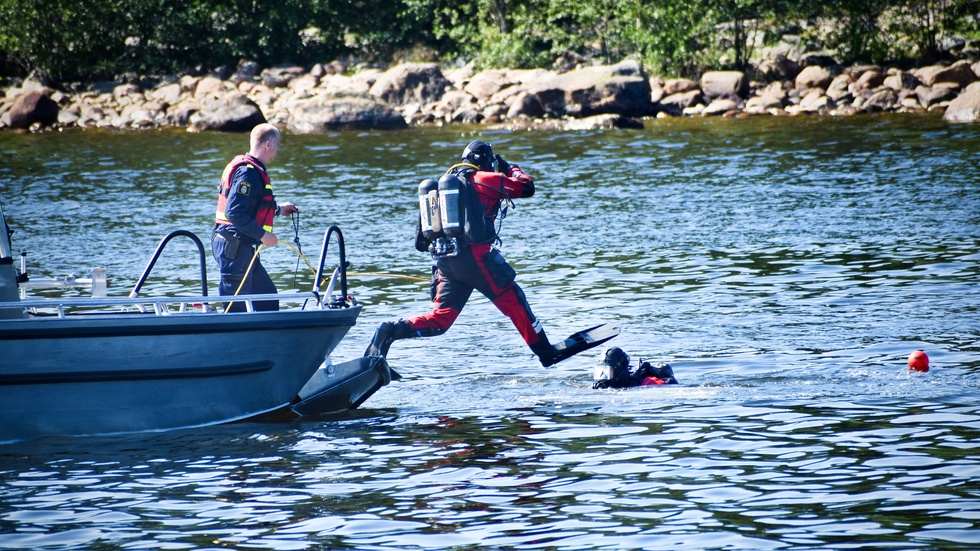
(966, 106)
(814, 76)
(929, 95)
(527, 105)
(33, 106)
(959, 72)
(882, 100)
(621, 89)
(453, 102)
(869, 80)
(233, 113)
(720, 106)
(679, 86)
(211, 87)
(901, 80)
(280, 77)
(485, 84)
(773, 96)
(353, 112)
(411, 83)
(816, 100)
(840, 86)
(168, 93)
(727, 84)
(675, 104)
(780, 66)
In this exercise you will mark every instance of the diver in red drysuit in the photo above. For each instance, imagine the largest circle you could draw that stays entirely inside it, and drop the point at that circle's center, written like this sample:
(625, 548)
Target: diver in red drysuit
(477, 264)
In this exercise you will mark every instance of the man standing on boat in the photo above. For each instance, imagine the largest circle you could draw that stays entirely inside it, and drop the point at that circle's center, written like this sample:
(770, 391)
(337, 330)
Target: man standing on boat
(244, 220)
(484, 184)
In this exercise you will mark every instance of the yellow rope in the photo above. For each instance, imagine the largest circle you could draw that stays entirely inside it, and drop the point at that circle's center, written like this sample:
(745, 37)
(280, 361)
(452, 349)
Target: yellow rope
(413, 278)
(247, 271)
(256, 255)
(288, 244)
(353, 274)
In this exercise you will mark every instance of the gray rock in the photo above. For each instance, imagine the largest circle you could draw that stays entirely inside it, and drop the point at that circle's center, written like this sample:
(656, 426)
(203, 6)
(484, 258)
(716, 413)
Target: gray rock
(715, 84)
(818, 59)
(959, 72)
(526, 105)
(246, 72)
(210, 87)
(675, 104)
(816, 100)
(679, 86)
(303, 82)
(451, 102)
(279, 77)
(33, 106)
(929, 95)
(621, 89)
(901, 80)
(168, 93)
(966, 106)
(781, 66)
(328, 113)
(411, 83)
(485, 84)
(814, 76)
(494, 113)
(882, 100)
(869, 80)
(233, 113)
(719, 106)
(840, 86)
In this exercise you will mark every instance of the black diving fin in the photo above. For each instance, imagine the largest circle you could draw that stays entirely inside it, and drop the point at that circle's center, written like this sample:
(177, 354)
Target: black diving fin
(584, 340)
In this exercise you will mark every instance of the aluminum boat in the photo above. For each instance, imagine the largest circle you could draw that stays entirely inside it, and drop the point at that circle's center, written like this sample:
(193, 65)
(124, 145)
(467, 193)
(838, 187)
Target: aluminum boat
(102, 365)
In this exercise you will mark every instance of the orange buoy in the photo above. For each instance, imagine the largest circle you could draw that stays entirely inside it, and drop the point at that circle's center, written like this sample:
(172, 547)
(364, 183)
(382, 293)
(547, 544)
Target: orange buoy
(918, 361)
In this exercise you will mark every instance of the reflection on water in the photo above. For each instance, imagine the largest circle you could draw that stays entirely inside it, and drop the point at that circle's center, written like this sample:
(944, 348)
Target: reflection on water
(784, 268)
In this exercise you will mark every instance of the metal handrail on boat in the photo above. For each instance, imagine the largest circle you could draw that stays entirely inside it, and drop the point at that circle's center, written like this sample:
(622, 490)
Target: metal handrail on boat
(156, 255)
(340, 302)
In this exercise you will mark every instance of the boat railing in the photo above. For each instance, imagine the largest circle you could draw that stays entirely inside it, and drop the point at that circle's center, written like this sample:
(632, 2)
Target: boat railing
(160, 306)
(341, 270)
(341, 301)
(156, 255)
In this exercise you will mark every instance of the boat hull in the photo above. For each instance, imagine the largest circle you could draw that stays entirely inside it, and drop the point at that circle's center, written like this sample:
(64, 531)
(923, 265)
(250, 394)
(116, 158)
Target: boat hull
(117, 373)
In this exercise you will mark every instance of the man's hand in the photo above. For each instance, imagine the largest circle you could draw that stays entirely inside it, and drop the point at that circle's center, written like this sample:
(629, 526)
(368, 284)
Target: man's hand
(269, 239)
(287, 209)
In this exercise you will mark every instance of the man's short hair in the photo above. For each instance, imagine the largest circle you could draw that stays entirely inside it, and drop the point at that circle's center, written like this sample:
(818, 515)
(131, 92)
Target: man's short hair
(262, 133)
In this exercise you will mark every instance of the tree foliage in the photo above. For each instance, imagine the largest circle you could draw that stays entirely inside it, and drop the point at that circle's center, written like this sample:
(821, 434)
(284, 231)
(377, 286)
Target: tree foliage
(88, 39)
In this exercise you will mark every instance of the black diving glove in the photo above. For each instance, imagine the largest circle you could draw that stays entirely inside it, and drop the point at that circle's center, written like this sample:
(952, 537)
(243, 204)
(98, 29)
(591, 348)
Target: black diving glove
(503, 166)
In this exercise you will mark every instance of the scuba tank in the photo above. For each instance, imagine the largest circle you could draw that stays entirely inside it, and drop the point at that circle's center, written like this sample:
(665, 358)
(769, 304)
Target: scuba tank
(450, 206)
(429, 209)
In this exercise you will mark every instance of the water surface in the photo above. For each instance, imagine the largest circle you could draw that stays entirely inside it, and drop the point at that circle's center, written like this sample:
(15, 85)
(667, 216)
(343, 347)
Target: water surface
(784, 267)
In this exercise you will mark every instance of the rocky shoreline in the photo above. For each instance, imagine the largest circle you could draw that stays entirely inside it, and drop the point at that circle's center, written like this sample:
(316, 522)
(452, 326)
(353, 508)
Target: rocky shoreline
(327, 98)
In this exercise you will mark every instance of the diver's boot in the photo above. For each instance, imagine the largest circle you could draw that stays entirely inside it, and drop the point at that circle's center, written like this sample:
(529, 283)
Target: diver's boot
(544, 350)
(387, 333)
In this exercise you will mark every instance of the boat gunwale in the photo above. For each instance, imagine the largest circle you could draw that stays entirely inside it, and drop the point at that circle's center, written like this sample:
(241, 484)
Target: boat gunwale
(199, 302)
